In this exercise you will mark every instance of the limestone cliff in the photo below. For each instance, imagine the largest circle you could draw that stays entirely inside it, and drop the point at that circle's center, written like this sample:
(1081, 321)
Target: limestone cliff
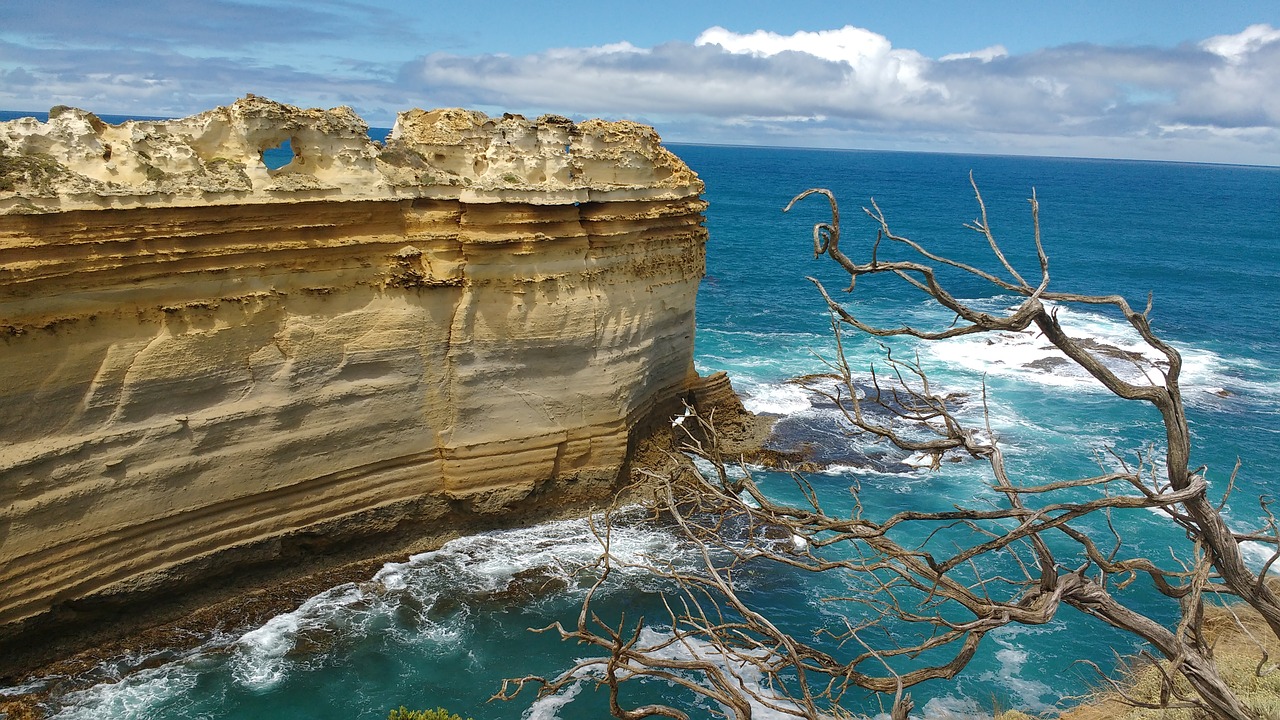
(210, 365)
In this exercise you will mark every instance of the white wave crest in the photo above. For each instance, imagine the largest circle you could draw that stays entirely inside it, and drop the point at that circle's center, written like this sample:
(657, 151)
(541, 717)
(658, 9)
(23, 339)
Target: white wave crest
(548, 708)
(742, 667)
(464, 569)
(1257, 554)
(1015, 642)
(776, 398)
(260, 659)
(140, 695)
(1029, 357)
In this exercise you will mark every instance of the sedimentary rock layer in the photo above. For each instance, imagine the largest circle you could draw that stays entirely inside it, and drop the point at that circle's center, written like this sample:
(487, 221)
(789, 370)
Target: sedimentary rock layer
(205, 360)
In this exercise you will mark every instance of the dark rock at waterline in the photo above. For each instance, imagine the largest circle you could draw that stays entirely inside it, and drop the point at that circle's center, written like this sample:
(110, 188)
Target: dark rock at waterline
(821, 436)
(525, 587)
(313, 641)
(1047, 364)
(1102, 348)
(446, 605)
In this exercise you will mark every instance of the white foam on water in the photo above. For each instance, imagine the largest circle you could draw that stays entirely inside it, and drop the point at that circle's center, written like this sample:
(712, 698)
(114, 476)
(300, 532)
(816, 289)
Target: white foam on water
(490, 561)
(918, 460)
(775, 398)
(138, 696)
(548, 708)
(707, 469)
(838, 470)
(1030, 693)
(748, 674)
(951, 707)
(1028, 356)
(1012, 656)
(391, 578)
(260, 655)
(1250, 377)
(261, 659)
(795, 339)
(1257, 554)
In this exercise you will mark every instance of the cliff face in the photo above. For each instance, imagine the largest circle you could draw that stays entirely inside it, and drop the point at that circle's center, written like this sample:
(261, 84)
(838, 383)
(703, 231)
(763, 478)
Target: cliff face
(209, 365)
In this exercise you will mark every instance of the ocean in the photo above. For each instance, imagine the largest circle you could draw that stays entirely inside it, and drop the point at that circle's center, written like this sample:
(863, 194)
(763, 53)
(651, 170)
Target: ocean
(444, 628)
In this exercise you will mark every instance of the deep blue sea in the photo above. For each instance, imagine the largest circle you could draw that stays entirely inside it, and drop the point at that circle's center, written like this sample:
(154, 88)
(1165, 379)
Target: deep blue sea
(444, 628)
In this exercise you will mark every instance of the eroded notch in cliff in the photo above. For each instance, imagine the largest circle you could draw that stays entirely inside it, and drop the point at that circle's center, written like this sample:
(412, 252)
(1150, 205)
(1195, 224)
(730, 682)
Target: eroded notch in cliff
(279, 156)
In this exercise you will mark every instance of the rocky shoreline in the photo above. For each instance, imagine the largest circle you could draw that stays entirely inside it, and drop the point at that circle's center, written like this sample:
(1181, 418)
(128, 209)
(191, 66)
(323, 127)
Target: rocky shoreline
(171, 628)
(222, 376)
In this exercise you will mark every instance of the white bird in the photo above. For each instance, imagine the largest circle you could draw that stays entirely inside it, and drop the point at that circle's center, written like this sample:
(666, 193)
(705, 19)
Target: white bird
(799, 543)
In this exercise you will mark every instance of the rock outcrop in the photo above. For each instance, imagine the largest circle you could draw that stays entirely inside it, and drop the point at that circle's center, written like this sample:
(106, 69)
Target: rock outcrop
(210, 366)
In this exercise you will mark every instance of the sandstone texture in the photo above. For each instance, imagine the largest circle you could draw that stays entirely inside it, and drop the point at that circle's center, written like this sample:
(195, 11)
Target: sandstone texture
(210, 366)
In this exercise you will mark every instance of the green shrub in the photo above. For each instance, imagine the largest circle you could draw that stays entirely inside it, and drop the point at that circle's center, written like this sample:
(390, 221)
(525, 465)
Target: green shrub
(404, 713)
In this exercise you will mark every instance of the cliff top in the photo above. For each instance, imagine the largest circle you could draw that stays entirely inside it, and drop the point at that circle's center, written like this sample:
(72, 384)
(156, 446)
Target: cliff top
(75, 161)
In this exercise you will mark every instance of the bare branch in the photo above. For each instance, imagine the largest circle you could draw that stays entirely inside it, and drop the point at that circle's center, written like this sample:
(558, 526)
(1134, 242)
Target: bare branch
(924, 588)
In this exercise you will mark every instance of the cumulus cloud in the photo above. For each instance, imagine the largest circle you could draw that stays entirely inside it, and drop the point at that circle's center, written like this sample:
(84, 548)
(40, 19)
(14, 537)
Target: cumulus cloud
(849, 44)
(853, 81)
(1218, 99)
(1237, 48)
(869, 55)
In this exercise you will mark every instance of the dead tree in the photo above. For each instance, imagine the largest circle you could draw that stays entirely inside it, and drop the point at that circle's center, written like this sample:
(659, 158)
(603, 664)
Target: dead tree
(918, 610)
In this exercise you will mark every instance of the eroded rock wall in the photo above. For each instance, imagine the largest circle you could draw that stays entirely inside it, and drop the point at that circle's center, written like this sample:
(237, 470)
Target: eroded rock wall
(205, 361)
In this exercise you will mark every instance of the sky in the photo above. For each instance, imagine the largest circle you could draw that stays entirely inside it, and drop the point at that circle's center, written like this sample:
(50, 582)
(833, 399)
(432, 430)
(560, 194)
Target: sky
(1171, 80)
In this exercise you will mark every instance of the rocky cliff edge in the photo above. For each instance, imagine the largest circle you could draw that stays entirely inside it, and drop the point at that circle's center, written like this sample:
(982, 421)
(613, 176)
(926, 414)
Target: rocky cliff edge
(219, 376)
(77, 161)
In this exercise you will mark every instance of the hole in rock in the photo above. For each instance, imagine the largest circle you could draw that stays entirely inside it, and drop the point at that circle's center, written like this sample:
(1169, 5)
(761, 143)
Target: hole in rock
(278, 156)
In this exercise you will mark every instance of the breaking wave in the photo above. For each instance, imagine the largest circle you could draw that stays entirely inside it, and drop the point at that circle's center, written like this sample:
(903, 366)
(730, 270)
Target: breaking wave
(430, 603)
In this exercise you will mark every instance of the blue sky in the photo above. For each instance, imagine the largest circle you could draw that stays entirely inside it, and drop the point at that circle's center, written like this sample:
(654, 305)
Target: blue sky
(1119, 78)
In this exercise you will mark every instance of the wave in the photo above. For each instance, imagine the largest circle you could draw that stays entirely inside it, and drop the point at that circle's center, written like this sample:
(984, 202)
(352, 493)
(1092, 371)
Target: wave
(1039, 401)
(138, 695)
(1027, 356)
(548, 708)
(1012, 659)
(762, 362)
(425, 602)
(775, 398)
(765, 703)
(1256, 555)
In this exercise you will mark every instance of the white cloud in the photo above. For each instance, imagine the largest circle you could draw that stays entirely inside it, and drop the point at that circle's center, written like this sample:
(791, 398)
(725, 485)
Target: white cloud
(1237, 48)
(848, 72)
(850, 87)
(986, 54)
(870, 55)
(610, 49)
(849, 44)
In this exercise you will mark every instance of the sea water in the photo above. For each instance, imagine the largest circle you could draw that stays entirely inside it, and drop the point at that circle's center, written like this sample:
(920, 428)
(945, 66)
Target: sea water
(445, 627)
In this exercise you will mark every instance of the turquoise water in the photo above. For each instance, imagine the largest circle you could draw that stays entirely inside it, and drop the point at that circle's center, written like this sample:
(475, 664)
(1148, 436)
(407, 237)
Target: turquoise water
(444, 628)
